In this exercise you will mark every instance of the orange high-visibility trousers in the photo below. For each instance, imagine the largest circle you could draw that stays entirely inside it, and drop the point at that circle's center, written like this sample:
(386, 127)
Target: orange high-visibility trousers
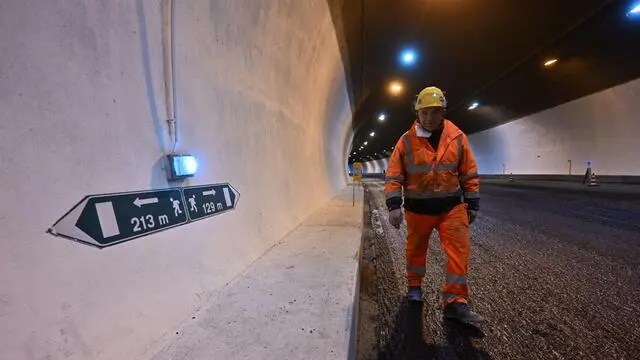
(453, 228)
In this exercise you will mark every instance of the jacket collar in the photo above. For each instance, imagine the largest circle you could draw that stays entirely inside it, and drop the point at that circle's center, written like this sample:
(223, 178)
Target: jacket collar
(421, 132)
(449, 131)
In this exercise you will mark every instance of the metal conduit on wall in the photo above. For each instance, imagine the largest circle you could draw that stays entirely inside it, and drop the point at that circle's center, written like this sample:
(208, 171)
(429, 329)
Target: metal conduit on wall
(168, 49)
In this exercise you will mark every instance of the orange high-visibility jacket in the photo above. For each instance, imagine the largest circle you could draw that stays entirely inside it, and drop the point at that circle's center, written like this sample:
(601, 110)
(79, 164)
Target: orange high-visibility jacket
(418, 172)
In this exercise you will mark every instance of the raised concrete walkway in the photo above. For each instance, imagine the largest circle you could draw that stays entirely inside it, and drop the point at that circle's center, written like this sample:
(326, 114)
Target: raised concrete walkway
(297, 301)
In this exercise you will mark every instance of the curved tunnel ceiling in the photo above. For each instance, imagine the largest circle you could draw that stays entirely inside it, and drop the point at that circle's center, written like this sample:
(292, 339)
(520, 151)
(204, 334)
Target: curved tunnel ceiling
(486, 51)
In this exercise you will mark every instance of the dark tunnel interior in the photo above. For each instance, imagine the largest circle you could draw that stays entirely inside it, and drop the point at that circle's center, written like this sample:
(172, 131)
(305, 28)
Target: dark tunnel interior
(486, 51)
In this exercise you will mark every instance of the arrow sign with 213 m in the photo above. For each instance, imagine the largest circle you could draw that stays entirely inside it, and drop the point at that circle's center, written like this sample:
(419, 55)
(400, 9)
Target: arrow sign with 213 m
(108, 219)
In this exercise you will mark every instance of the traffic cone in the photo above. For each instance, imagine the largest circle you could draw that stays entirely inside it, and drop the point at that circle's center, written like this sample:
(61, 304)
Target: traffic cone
(592, 180)
(511, 177)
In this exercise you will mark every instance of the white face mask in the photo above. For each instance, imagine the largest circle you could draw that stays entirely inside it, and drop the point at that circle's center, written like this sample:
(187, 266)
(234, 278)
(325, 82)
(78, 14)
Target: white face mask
(421, 132)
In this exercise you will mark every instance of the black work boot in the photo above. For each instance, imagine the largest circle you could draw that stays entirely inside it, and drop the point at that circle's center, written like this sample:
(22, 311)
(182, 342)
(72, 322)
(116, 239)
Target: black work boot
(459, 311)
(414, 293)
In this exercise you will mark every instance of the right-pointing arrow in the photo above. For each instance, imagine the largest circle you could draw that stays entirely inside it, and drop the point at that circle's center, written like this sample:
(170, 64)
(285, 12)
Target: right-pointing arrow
(210, 192)
(236, 195)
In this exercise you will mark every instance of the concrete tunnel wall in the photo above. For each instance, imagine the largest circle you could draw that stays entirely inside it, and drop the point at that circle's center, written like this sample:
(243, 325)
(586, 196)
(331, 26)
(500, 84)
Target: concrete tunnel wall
(262, 103)
(375, 166)
(602, 128)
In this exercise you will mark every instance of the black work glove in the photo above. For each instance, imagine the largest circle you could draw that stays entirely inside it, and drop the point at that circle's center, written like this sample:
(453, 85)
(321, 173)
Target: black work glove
(472, 215)
(396, 218)
(473, 205)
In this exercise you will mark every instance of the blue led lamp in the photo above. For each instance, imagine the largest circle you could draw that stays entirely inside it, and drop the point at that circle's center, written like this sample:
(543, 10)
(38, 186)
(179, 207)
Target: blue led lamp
(181, 166)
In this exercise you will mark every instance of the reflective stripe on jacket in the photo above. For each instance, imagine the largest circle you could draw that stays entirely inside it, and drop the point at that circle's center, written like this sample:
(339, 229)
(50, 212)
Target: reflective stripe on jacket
(417, 171)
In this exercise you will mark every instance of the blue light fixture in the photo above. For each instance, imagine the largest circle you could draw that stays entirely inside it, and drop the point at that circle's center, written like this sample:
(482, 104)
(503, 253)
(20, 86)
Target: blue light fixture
(408, 57)
(635, 10)
(181, 166)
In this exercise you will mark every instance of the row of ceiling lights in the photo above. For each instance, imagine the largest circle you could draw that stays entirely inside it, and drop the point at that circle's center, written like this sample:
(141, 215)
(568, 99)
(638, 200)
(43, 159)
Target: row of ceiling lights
(395, 88)
(408, 58)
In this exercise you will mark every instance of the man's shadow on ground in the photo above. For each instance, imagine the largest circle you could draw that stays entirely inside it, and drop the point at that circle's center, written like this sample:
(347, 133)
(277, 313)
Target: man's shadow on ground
(407, 341)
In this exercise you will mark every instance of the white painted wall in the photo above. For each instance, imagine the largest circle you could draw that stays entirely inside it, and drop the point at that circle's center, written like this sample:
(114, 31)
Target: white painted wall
(602, 127)
(262, 103)
(375, 166)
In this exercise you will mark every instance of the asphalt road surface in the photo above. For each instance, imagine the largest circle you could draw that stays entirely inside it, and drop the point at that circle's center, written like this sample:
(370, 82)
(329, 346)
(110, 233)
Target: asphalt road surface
(556, 275)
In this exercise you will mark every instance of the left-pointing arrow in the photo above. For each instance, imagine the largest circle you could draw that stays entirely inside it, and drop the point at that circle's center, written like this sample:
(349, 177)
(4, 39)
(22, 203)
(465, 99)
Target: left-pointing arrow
(139, 202)
(66, 226)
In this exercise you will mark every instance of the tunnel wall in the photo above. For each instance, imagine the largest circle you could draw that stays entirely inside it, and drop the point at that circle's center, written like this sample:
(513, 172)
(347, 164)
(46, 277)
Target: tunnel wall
(602, 128)
(262, 103)
(372, 167)
(375, 166)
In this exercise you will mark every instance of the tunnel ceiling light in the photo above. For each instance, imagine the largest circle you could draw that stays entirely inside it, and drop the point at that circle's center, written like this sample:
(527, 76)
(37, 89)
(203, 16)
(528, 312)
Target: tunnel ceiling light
(474, 106)
(550, 62)
(635, 10)
(395, 88)
(372, 134)
(382, 117)
(408, 57)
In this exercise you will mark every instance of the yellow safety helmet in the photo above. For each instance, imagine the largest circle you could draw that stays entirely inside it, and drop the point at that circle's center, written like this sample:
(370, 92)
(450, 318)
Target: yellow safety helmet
(430, 97)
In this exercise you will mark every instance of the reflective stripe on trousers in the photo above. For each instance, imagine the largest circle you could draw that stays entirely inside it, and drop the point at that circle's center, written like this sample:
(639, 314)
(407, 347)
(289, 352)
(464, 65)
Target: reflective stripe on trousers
(455, 289)
(420, 270)
(457, 279)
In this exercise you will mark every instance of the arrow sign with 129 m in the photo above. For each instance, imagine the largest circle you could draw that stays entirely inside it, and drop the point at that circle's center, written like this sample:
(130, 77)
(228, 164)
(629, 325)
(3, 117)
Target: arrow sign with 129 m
(209, 200)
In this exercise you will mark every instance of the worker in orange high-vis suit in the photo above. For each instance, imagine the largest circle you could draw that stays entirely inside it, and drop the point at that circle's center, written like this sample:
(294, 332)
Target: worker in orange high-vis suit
(433, 168)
